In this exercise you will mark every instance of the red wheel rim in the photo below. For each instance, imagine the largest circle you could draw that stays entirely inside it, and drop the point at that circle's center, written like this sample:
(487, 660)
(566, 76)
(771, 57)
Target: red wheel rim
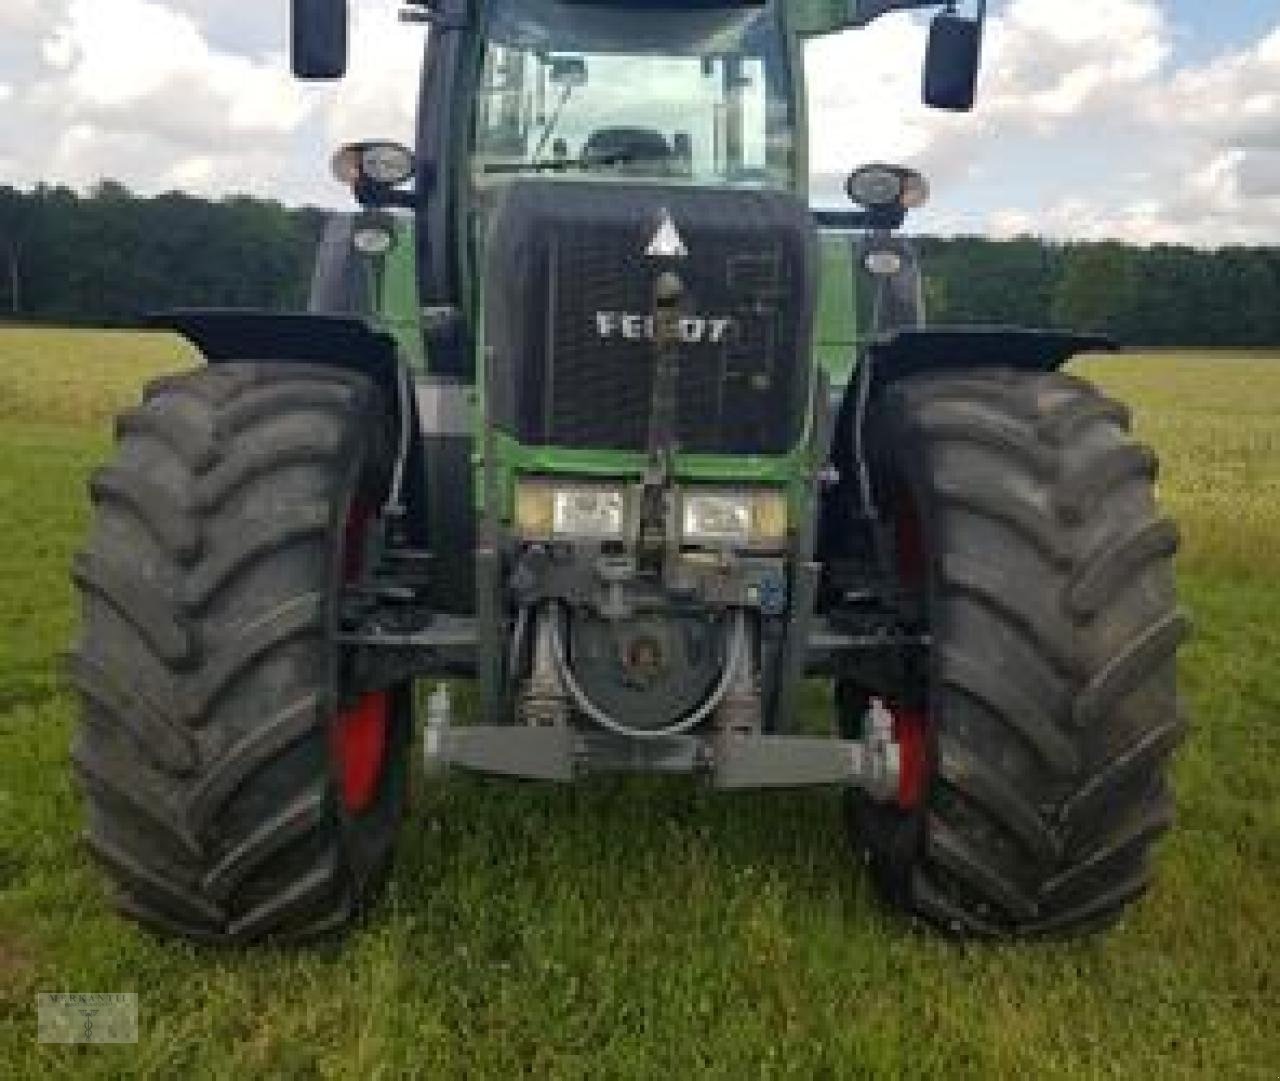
(360, 748)
(359, 733)
(910, 725)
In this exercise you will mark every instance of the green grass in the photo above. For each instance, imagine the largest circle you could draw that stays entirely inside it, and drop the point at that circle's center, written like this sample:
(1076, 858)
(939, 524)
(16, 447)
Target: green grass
(648, 928)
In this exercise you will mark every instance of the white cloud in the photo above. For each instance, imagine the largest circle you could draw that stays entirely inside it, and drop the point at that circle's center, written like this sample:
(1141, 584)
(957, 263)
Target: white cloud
(184, 84)
(1085, 125)
(378, 99)
(19, 16)
(164, 93)
(1047, 61)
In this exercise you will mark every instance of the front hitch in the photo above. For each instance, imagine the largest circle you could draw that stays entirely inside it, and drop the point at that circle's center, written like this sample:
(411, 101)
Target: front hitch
(727, 760)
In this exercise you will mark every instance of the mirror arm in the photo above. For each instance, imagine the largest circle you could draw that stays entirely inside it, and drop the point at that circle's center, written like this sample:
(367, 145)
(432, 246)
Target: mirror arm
(863, 14)
(885, 218)
(418, 12)
(374, 196)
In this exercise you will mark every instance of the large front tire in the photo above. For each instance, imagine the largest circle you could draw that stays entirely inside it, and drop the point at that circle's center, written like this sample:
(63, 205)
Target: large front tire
(235, 787)
(1027, 524)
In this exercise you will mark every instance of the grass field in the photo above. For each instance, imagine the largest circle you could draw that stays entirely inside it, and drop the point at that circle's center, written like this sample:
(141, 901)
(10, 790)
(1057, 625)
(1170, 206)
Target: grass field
(648, 929)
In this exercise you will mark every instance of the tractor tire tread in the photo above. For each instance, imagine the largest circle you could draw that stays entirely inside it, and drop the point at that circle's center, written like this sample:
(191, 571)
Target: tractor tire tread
(138, 603)
(131, 709)
(1104, 573)
(1054, 706)
(206, 663)
(166, 518)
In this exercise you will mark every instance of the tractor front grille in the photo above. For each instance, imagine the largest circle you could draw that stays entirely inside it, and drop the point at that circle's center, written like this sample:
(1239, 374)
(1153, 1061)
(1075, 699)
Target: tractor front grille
(570, 290)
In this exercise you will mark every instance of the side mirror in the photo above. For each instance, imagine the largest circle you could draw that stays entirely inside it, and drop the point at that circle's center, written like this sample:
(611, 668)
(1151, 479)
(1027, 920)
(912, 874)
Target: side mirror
(952, 63)
(319, 39)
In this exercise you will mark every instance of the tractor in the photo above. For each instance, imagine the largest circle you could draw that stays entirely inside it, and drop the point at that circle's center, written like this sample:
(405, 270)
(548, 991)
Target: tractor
(592, 409)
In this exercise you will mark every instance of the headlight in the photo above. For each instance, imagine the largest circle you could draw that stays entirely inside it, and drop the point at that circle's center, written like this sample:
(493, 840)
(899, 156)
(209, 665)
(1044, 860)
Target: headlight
(387, 163)
(384, 163)
(735, 519)
(887, 185)
(374, 234)
(593, 512)
(882, 262)
(875, 185)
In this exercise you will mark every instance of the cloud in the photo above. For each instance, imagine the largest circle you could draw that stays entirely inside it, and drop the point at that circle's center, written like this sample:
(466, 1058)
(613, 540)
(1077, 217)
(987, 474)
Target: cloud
(1048, 61)
(164, 93)
(185, 89)
(379, 97)
(132, 89)
(1085, 126)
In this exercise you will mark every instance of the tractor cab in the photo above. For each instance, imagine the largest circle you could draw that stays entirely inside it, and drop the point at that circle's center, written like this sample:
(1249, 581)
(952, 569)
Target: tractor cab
(701, 96)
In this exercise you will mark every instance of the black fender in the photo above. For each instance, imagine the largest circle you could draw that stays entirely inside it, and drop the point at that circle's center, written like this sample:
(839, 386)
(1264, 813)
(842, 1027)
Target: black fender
(224, 335)
(910, 351)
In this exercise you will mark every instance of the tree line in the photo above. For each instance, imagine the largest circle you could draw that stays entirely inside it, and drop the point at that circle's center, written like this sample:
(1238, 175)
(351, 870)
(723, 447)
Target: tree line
(1163, 295)
(109, 257)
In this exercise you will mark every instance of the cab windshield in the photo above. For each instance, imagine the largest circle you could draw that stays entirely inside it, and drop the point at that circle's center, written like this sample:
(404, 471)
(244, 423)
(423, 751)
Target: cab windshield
(596, 91)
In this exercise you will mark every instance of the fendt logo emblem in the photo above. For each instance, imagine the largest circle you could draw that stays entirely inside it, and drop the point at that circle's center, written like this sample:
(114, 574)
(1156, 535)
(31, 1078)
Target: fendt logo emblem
(666, 242)
(694, 329)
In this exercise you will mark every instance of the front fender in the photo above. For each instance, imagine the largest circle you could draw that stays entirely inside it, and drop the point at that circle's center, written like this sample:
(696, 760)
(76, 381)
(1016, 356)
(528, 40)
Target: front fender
(225, 335)
(910, 351)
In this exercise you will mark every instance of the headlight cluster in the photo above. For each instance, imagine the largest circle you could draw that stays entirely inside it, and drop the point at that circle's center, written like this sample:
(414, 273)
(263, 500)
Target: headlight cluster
(380, 162)
(547, 510)
(589, 512)
(887, 185)
(741, 519)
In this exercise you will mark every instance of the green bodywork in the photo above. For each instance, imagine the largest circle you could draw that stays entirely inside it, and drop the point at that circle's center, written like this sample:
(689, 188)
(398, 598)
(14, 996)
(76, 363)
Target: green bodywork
(835, 353)
(395, 295)
(835, 345)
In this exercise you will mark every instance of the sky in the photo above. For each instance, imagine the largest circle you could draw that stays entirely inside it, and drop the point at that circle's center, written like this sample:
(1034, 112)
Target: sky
(1142, 120)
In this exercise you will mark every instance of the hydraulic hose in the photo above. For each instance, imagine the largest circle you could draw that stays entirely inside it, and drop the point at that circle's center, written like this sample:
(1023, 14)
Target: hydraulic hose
(737, 644)
(518, 636)
(394, 506)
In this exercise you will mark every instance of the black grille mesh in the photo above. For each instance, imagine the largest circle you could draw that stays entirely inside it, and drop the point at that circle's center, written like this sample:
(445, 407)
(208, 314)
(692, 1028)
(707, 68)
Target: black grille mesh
(561, 254)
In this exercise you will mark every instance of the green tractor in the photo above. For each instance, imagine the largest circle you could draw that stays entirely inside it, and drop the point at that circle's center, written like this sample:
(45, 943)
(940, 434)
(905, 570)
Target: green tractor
(582, 412)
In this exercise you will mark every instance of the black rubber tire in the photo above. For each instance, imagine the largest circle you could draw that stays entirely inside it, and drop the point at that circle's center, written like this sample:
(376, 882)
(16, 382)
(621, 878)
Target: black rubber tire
(1053, 708)
(207, 661)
